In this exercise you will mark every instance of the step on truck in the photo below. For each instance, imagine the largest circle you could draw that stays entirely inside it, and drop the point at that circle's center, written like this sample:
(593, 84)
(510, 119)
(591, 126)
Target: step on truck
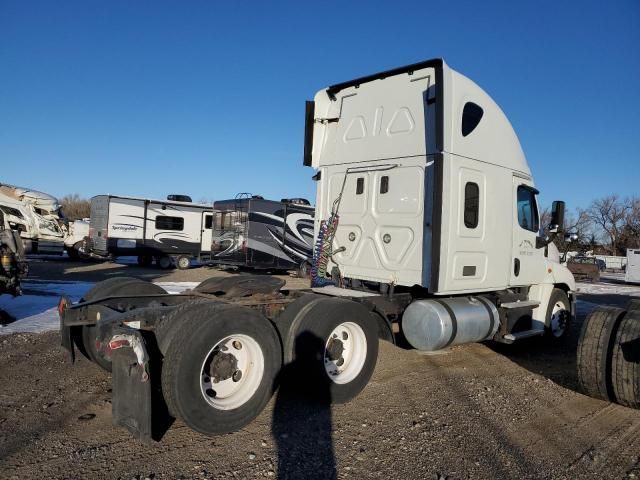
(426, 232)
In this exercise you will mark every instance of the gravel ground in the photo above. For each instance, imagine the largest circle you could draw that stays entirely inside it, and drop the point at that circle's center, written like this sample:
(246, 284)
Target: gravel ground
(472, 411)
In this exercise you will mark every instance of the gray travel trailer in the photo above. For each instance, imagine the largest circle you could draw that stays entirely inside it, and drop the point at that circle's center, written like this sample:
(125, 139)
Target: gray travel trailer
(164, 230)
(426, 231)
(252, 232)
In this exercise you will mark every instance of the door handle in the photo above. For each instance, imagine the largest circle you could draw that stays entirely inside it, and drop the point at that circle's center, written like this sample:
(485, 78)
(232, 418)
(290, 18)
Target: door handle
(516, 267)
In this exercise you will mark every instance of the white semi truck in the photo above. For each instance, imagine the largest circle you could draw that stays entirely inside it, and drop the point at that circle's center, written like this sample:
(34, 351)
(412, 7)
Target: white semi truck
(426, 230)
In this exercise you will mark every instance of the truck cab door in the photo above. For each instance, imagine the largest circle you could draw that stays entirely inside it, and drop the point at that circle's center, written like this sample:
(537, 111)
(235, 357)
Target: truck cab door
(527, 263)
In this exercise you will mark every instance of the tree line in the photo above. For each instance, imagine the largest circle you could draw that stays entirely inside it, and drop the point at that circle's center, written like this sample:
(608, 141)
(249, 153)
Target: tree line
(608, 226)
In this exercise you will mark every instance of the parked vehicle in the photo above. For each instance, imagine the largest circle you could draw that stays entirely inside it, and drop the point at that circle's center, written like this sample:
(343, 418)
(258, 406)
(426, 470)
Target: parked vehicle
(75, 241)
(426, 227)
(164, 230)
(12, 263)
(584, 268)
(252, 232)
(36, 216)
(632, 270)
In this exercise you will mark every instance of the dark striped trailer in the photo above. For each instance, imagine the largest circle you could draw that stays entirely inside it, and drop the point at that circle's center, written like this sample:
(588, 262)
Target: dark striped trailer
(253, 232)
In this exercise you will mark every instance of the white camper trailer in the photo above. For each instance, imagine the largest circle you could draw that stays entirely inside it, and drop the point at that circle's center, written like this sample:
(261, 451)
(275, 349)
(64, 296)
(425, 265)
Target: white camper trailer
(427, 229)
(36, 216)
(632, 270)
(166, 230)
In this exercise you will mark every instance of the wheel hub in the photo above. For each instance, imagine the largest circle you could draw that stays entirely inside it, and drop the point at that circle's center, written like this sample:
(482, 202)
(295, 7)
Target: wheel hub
(345, 352)
(232, 372)
(223, 366)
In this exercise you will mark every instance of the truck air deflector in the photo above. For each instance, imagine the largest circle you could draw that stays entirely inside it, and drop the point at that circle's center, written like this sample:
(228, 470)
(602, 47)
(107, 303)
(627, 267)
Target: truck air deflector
(310, 107)
(436, 63)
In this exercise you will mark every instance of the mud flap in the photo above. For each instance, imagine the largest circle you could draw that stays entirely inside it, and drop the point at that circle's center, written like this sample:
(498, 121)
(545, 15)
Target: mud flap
(137, 403)
(132, 399)
(66, 340)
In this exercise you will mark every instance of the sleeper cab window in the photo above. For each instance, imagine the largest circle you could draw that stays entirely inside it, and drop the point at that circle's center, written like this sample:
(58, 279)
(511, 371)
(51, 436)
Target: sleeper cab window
(471, 116)
(384, 184)
(527, 209)
(169, 223)
(471, 204)
(359, 185)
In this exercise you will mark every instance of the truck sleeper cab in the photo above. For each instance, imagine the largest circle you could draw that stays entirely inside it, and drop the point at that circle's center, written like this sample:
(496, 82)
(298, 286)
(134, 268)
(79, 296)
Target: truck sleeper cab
(432, 191)
(426, 227)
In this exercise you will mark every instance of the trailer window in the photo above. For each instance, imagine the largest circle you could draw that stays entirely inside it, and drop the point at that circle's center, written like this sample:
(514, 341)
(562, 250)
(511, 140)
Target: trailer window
(169, 223)
(384, 184)
(471, 204)
(359, 186)
(527, 209)
(208, 221)
(471, 116)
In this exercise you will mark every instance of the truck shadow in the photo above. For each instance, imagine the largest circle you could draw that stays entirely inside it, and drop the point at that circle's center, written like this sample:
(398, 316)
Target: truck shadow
(301, 423)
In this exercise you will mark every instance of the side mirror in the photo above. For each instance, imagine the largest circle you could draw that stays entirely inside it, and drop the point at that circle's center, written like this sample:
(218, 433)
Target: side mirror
(557, 217)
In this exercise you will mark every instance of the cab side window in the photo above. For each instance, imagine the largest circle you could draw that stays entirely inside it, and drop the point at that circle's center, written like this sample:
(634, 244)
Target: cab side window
(527, 209)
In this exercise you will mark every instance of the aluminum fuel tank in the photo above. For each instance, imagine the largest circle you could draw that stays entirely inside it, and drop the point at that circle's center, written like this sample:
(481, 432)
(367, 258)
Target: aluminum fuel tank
(439, 323)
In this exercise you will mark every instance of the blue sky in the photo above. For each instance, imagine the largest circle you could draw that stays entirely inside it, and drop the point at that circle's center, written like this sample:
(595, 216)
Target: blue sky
(207, 98)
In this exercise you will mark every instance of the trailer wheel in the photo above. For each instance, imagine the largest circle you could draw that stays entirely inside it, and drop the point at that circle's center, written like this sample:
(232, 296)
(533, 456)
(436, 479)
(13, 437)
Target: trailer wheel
(183, 262)
(220, 368)
(164, 262)
(594, 352)
(558, 316)
(112, 286)
(331, 343)
(625, 361)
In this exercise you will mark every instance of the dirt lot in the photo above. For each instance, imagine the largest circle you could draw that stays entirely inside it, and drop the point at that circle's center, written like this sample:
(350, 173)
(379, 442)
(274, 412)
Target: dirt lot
(473, 411)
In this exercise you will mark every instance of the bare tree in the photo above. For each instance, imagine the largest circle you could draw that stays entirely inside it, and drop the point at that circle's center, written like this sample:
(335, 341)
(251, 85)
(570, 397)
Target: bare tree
(75, 207)
(630, 234)
(609, 215)
(576, 222)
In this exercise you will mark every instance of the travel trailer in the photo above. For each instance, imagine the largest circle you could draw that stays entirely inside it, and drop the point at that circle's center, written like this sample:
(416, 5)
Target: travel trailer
(164, 230)
(632, 270)
(263, 234)
(426, 230)
(36, 216)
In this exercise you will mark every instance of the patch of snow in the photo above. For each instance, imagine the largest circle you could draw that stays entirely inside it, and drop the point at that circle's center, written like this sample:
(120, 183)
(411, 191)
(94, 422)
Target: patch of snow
(36, 311)
(608, 288)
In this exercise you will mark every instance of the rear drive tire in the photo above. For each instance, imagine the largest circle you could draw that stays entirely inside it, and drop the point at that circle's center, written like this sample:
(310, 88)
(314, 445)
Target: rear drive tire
(112, 286)
(594, 352)
(625, 362)
(330, 343)
(220, 368)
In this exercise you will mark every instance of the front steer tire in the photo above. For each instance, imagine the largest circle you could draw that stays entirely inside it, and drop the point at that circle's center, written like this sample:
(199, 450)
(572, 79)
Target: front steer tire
(558, 317)
(191, 347)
